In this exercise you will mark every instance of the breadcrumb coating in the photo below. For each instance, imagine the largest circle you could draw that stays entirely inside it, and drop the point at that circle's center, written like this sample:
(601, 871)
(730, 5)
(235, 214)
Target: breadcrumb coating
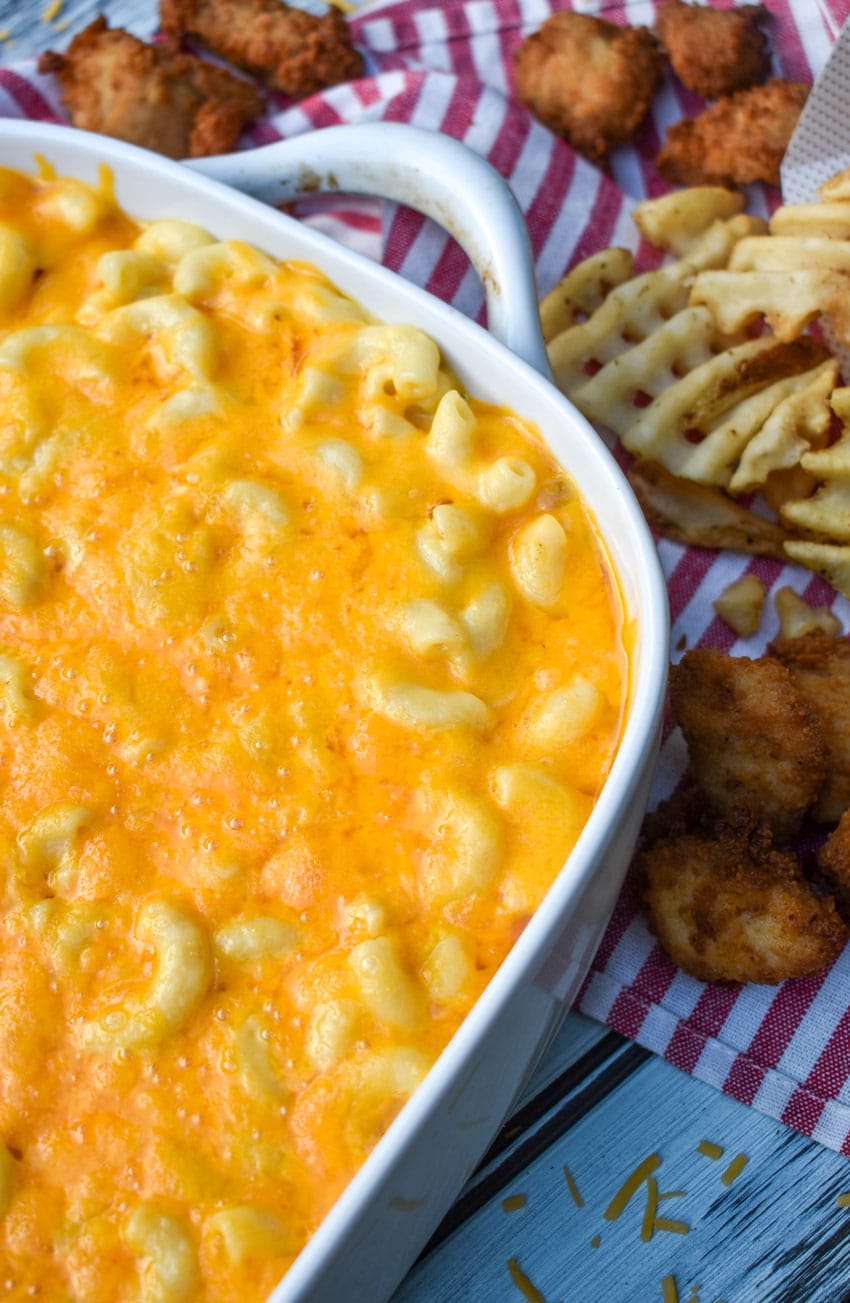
(732, 908)
(819, 665)
(290, 50)
(151, 95)
(740, 139)
(715, 52)
(751, 739)
(588, 80)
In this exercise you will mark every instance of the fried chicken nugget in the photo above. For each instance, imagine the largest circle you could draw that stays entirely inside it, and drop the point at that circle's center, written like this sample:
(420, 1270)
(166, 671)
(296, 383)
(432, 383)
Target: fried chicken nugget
(740, 139)
(686, 813)
(833, 861)
(588, 80)
(735, 909)
(290, 50)
(819, 664)
(115, 84)
(715, 52)
(751, 739)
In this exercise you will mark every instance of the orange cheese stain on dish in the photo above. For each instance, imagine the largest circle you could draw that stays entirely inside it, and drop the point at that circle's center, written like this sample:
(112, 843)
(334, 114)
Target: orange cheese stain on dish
(311, 668)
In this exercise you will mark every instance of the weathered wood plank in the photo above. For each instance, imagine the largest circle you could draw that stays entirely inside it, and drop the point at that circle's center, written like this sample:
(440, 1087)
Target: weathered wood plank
(774, 1235)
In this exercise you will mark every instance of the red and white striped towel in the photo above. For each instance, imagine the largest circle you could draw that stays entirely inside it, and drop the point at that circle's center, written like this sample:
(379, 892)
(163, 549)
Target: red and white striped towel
(448, 66)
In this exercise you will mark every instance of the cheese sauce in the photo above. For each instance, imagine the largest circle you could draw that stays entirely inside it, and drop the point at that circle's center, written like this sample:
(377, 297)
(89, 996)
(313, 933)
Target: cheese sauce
(311, 668)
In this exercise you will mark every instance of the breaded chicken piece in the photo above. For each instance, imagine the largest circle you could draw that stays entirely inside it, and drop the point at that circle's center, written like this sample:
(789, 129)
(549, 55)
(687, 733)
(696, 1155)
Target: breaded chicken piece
(820, 667)
(733, 909)
(679, 814)
(715, 52)
(588, 80)
(688, 813)
(115, 84)
(833, 861)
(288, 49)
(740, 139)
(751, 740)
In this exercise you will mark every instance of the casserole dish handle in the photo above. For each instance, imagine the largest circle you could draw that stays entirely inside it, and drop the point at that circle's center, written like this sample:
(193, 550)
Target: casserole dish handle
(436, 175)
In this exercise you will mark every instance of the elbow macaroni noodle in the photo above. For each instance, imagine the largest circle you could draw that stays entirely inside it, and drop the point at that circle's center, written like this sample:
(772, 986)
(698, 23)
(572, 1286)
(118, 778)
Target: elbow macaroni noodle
(168, 1268)
(311, 669)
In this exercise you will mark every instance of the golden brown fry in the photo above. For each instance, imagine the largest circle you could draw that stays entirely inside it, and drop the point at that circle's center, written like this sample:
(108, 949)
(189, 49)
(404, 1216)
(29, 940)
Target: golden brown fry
(828, 221)
(819, 665)
(785, 485)
(678, 221)
(288, 49)
(700, 425)
(583, 290)
(740, 139)
(800, 423)
(588, 80)
(788, 300)
(752, 740)
(837, 187)
(715, 52)
(824, 511)
(731, 908)
(155, 96)
(701, 516)
(829, 560)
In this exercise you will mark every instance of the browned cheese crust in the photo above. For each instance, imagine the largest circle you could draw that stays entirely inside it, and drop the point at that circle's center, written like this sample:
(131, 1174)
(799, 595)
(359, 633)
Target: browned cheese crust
(290, 50)
(715, 52)
(740, 139)
(155, 96)
(752, 741)
(820, 667)
(733, 909)
(588, 80)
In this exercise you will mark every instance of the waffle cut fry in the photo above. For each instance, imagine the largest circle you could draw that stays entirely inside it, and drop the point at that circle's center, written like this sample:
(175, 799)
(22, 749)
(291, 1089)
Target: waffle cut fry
(707, 373)
(793, 275)
(660, 372)
(826, 512)
(599, 330)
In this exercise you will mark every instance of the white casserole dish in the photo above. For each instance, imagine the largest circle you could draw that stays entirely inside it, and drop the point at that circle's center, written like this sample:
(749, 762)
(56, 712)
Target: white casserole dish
(387, 1213)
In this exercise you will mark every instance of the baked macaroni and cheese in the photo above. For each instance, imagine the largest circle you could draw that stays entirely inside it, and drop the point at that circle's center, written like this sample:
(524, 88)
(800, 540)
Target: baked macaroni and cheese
(311, 668)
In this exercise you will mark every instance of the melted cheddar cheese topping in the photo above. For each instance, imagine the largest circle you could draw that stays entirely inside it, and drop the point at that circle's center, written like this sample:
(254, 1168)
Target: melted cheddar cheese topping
(311, 668)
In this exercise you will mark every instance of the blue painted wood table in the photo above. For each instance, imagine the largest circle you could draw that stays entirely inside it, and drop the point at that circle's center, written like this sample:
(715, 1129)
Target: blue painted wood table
(617, 1177)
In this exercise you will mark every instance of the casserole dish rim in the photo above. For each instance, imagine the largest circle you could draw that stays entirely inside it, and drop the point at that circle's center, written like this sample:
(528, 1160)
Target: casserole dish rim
(644, 608)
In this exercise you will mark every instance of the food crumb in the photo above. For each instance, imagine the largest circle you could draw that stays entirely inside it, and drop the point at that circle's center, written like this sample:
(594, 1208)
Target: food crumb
(843, 1200)
(513, 1202)
(523, 1284)
(573, 1188)
(735, 1168)
(669, 1293)
(52, 11)
(709, 1149)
